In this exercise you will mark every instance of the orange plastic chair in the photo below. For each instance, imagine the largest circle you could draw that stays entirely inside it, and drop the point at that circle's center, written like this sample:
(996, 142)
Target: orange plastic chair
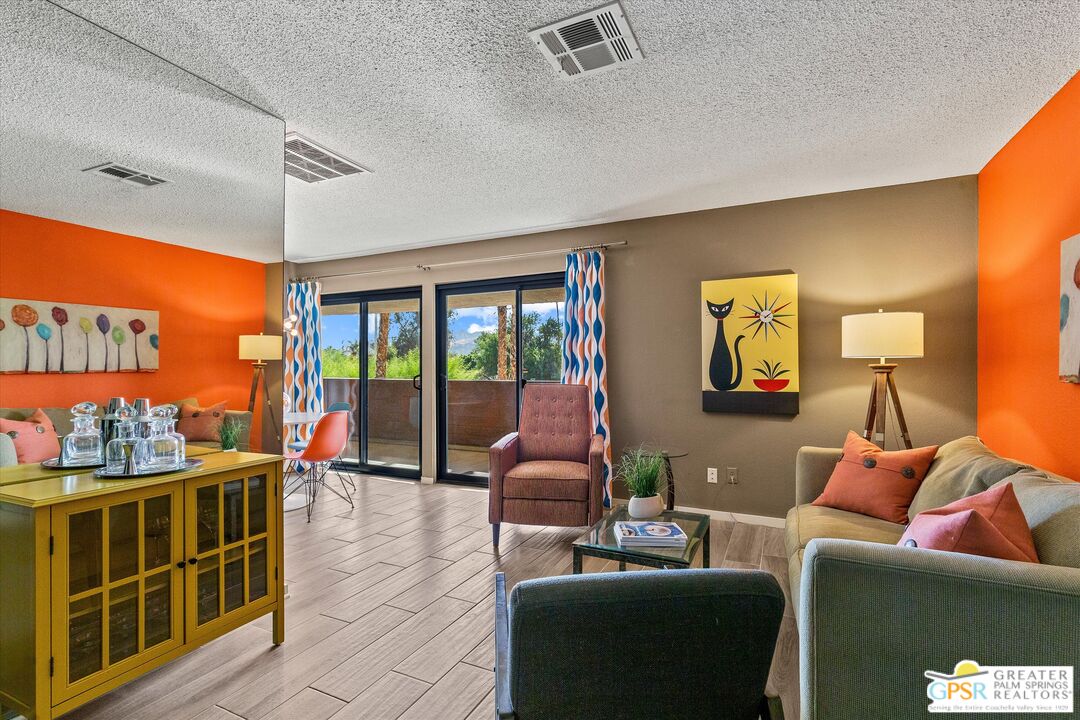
(311, 464)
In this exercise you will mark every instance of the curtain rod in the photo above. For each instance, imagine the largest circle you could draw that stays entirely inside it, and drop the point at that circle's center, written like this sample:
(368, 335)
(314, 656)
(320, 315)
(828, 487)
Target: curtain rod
(449, 263)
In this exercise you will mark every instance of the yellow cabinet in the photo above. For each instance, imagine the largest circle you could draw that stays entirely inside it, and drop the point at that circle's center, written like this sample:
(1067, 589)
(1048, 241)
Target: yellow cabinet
(103, 581)
(117, 588)
(230, 567)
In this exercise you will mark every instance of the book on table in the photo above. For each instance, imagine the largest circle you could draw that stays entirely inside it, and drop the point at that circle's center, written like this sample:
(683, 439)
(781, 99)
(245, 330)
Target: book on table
(649, 533)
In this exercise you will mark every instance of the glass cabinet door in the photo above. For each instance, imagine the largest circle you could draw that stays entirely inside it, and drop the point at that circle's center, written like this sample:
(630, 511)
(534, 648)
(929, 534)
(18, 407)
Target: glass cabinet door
(229, 563)
(115, 599)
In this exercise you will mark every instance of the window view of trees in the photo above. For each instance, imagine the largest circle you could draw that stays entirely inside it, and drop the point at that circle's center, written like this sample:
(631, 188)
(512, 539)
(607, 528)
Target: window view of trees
(493, 353)
(394, 348)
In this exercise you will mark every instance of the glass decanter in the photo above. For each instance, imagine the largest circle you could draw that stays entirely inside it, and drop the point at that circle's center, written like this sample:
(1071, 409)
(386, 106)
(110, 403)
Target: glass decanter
(170, 428)
(83, 446)
(119, 452)
(159, 450)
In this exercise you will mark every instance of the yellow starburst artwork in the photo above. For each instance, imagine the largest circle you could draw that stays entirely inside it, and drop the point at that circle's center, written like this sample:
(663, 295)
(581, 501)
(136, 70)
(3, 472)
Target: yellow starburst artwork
(750, 344)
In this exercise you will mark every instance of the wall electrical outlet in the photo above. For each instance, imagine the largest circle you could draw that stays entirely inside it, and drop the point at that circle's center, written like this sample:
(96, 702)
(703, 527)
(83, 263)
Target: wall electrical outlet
(733, 476)
(712, 475)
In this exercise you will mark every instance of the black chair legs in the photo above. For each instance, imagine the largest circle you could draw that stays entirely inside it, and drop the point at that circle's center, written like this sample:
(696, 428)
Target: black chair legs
(495, 534)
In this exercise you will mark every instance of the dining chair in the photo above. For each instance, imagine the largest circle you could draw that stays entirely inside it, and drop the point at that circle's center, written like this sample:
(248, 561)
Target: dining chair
(312, 464)
(301, 444)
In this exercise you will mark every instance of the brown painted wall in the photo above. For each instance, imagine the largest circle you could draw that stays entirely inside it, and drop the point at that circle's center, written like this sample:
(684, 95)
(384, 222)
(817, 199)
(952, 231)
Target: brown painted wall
(909, 247)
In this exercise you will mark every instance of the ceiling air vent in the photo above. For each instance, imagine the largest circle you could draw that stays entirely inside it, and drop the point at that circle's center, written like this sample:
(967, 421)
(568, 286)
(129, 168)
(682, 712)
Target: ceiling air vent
(313, 163)
(588, 43)
(119, 172)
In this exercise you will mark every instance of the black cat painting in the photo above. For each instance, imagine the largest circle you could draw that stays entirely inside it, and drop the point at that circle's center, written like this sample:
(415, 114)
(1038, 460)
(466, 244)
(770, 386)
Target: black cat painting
(750, 344)
(721, 364)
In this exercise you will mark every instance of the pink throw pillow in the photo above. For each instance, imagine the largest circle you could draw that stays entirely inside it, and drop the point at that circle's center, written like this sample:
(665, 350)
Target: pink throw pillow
(991, 524)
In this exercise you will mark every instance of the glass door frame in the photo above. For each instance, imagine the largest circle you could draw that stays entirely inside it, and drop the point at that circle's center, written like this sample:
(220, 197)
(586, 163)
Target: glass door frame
(363, 298)
(517, 284)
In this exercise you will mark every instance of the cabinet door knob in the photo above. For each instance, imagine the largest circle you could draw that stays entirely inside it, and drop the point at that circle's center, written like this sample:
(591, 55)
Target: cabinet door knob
(193, 561)
(181, 564)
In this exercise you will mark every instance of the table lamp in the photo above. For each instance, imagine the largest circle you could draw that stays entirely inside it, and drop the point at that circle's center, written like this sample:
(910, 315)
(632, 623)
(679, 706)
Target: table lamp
(883, 335)
(261, 348)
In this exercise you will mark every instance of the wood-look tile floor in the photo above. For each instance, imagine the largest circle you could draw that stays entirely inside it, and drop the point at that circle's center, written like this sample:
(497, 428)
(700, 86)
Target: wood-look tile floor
(391, 613)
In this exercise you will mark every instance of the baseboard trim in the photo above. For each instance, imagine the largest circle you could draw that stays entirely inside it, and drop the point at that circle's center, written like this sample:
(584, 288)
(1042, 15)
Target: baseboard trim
(736, 517)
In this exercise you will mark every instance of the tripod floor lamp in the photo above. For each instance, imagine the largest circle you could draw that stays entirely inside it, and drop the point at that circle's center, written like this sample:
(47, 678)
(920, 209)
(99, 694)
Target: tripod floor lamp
(883, 335)
(261, 348)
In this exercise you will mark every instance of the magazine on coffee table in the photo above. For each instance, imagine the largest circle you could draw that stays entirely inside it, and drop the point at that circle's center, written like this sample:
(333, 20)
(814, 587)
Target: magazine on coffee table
(649, 533)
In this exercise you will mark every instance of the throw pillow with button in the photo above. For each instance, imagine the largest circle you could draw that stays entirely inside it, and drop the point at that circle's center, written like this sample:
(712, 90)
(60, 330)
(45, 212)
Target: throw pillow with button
(35, 438)
(874, 482)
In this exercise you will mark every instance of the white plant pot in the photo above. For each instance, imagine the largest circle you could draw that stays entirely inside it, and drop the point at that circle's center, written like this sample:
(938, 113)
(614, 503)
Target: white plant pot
(230, 450)
(647, 507)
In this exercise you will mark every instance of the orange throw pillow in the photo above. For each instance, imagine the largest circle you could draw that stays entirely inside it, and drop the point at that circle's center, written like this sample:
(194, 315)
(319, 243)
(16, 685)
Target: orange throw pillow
(35, 437)
(871, 481)
(201, 424)
(990, 524)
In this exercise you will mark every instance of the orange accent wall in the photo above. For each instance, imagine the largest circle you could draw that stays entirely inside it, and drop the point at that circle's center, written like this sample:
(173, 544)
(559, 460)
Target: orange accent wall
(1029, 201)
(204, 300)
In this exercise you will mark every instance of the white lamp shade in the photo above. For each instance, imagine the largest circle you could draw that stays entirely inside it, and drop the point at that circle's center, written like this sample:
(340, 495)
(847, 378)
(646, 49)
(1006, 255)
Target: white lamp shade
(882, 335)
(260, 347)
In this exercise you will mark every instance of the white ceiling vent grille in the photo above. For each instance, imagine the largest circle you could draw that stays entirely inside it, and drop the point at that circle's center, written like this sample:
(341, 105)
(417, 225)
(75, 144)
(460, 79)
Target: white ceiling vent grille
(313, 163)
(113, 171)
(588, 43)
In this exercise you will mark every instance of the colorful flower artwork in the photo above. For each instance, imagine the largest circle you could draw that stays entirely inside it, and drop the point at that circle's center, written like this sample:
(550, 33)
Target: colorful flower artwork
(38, 336)
(750, 344)
(1069, 317)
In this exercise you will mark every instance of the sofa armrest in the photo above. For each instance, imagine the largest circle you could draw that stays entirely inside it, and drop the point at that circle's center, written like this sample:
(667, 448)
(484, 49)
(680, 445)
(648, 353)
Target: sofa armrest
(874, 617)
(8, 456)
(813, 466)
(504, 707)
(244, 418)
(502, 456)
(596, 478)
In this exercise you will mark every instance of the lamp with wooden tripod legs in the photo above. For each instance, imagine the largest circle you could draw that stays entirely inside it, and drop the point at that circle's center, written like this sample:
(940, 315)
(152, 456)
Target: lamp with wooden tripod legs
(883, 335)
(261, 348)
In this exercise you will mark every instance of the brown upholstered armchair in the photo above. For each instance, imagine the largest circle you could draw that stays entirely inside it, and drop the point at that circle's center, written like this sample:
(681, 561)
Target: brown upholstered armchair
(550, 471)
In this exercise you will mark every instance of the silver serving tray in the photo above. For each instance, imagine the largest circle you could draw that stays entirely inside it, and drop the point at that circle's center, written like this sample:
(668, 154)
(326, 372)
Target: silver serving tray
(54, 464)
(104, 474)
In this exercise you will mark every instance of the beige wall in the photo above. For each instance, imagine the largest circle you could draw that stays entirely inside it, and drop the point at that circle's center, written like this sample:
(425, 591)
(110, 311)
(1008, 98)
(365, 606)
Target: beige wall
(272, 324)
(910, 247)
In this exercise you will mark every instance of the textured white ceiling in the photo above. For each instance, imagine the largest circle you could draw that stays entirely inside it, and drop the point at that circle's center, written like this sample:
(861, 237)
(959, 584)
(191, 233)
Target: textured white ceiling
(470, 134)
(73, 96)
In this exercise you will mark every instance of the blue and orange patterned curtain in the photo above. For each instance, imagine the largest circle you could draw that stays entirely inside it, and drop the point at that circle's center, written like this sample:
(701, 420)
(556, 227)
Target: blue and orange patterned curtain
(303, 355)
(584, 342)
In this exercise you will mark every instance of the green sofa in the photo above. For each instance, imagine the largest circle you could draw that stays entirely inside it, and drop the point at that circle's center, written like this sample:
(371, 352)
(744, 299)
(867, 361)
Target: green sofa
(873, 616)
(61, 419)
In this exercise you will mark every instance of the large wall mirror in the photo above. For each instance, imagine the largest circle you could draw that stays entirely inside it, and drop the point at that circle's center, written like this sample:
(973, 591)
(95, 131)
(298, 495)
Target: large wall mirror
(141, 230)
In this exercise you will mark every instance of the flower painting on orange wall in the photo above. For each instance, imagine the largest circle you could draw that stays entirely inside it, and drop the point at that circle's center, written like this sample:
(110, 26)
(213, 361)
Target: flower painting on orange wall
(39, 336)
(1069, 323)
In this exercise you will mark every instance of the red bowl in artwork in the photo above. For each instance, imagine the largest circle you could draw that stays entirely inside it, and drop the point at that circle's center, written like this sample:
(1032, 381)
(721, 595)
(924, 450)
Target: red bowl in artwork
(771, 385)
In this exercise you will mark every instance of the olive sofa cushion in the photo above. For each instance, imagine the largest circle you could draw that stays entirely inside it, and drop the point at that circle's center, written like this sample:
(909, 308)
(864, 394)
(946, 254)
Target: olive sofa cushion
(1051, 504)
(961, 468)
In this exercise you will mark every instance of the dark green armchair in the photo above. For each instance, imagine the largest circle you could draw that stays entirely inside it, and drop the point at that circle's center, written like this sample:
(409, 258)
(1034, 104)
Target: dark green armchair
(637, 645)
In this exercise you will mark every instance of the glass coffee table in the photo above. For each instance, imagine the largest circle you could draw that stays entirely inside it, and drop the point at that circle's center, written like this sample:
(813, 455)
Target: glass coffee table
(600, 542)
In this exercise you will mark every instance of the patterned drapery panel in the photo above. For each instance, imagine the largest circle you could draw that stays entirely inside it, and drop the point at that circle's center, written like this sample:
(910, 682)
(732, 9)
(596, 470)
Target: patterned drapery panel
(303, 355)
(584, 348)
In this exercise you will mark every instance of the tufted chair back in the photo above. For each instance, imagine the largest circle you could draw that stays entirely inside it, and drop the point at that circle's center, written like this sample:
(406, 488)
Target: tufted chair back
(556, 423)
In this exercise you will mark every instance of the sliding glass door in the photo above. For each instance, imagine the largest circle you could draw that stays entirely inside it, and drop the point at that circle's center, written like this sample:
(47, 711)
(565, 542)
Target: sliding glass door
(494, 336)
(371, 361)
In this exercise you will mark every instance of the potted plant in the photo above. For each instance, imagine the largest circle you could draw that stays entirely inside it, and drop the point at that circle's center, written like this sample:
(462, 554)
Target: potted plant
(644, 473)
(229, 432)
